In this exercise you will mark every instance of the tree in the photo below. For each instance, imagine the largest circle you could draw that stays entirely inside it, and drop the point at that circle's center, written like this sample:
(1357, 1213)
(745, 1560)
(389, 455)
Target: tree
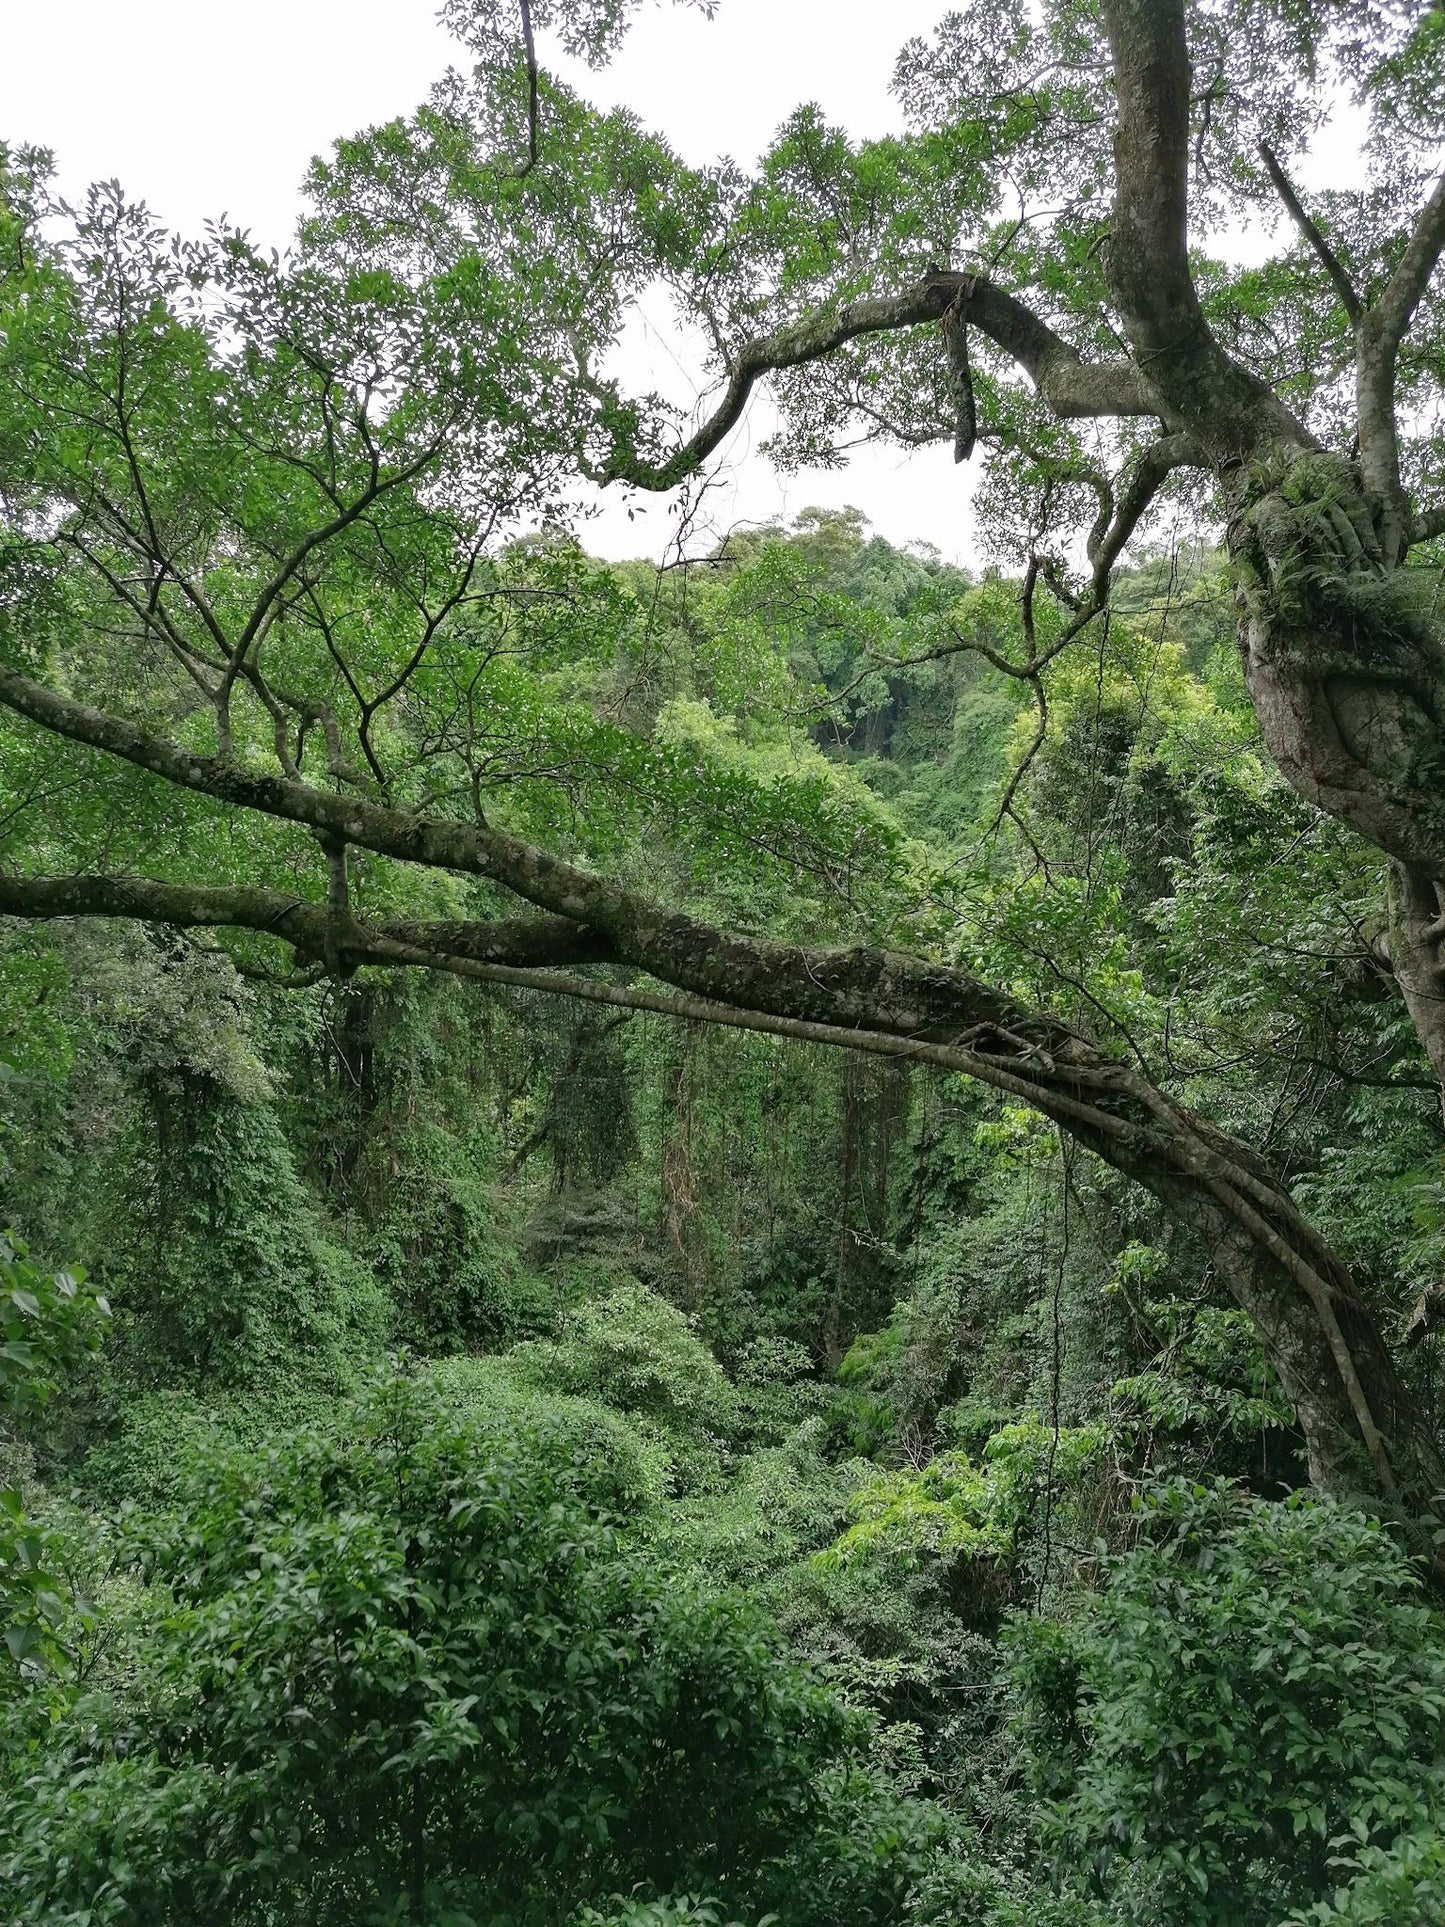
(259, 601)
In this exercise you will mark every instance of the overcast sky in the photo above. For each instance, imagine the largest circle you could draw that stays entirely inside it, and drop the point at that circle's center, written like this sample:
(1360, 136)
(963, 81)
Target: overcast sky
(201, 107)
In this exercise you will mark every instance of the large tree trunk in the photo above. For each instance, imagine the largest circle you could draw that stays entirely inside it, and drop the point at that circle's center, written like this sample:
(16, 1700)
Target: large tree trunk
(1346, 672)
(1343, 658)
(1346, 669)
(1364, 1435)
(1347, 676)
(1342, 650)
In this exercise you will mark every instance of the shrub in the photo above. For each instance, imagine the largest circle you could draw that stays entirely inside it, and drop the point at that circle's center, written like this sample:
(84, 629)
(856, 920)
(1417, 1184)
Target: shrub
(1258, 1688)
(410, 1672)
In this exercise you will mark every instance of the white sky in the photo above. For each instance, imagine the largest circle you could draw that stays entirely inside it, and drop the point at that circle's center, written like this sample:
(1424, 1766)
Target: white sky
(203, 107)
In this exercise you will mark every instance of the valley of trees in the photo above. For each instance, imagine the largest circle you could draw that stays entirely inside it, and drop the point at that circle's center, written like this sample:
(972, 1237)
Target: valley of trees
(758, 1241)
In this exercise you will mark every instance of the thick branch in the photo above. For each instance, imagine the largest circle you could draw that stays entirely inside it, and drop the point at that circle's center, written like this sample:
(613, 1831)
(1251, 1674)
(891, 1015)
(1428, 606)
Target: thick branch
(520, 952)
(1406, 287)
(1147, 259)
(307, 925)
(1378, 336)
(1066, 382)
(1302, 1302)
(834, 985)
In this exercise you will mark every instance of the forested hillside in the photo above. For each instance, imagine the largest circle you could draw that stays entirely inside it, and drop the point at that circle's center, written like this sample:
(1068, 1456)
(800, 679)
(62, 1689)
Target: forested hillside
(756, 1241)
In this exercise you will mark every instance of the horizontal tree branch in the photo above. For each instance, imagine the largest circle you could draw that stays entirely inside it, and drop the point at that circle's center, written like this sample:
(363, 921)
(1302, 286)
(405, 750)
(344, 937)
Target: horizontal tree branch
(992, 1037)
(1045, 1060)
(1068, 385)
(520, 952)
(1202, 1175)
(920, 999)
(307, 925)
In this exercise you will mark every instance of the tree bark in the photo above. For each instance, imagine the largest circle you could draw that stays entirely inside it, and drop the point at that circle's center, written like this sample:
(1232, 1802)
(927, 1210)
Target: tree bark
(1343, 662)
(1417, 951)
(1341, 650)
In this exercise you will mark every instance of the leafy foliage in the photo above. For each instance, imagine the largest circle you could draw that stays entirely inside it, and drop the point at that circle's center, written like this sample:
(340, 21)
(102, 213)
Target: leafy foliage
(745, 1538)
(456, 1684)
(48, 1321)
(1255, 1696)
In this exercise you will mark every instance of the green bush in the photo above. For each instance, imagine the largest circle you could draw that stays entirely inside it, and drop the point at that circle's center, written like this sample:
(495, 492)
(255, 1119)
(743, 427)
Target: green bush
(628, 1470)
(49, 1321)
(1258, 1690)
(1402, 1885)
(436, 1246)
(675, 1910)
(410, 1671)
(633, 1351)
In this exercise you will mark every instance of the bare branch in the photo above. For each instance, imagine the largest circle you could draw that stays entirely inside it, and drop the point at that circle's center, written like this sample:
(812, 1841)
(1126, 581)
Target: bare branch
(1328, 259)
(1148, 476)
(378, 486)
(1151, 470)
(1032, 673)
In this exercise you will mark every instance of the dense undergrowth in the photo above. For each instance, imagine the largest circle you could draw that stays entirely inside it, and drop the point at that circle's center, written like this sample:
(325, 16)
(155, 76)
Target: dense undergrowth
(509, 1461)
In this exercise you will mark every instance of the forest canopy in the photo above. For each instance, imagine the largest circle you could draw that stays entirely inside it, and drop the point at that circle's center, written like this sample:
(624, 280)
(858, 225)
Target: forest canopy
(761, 1238)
